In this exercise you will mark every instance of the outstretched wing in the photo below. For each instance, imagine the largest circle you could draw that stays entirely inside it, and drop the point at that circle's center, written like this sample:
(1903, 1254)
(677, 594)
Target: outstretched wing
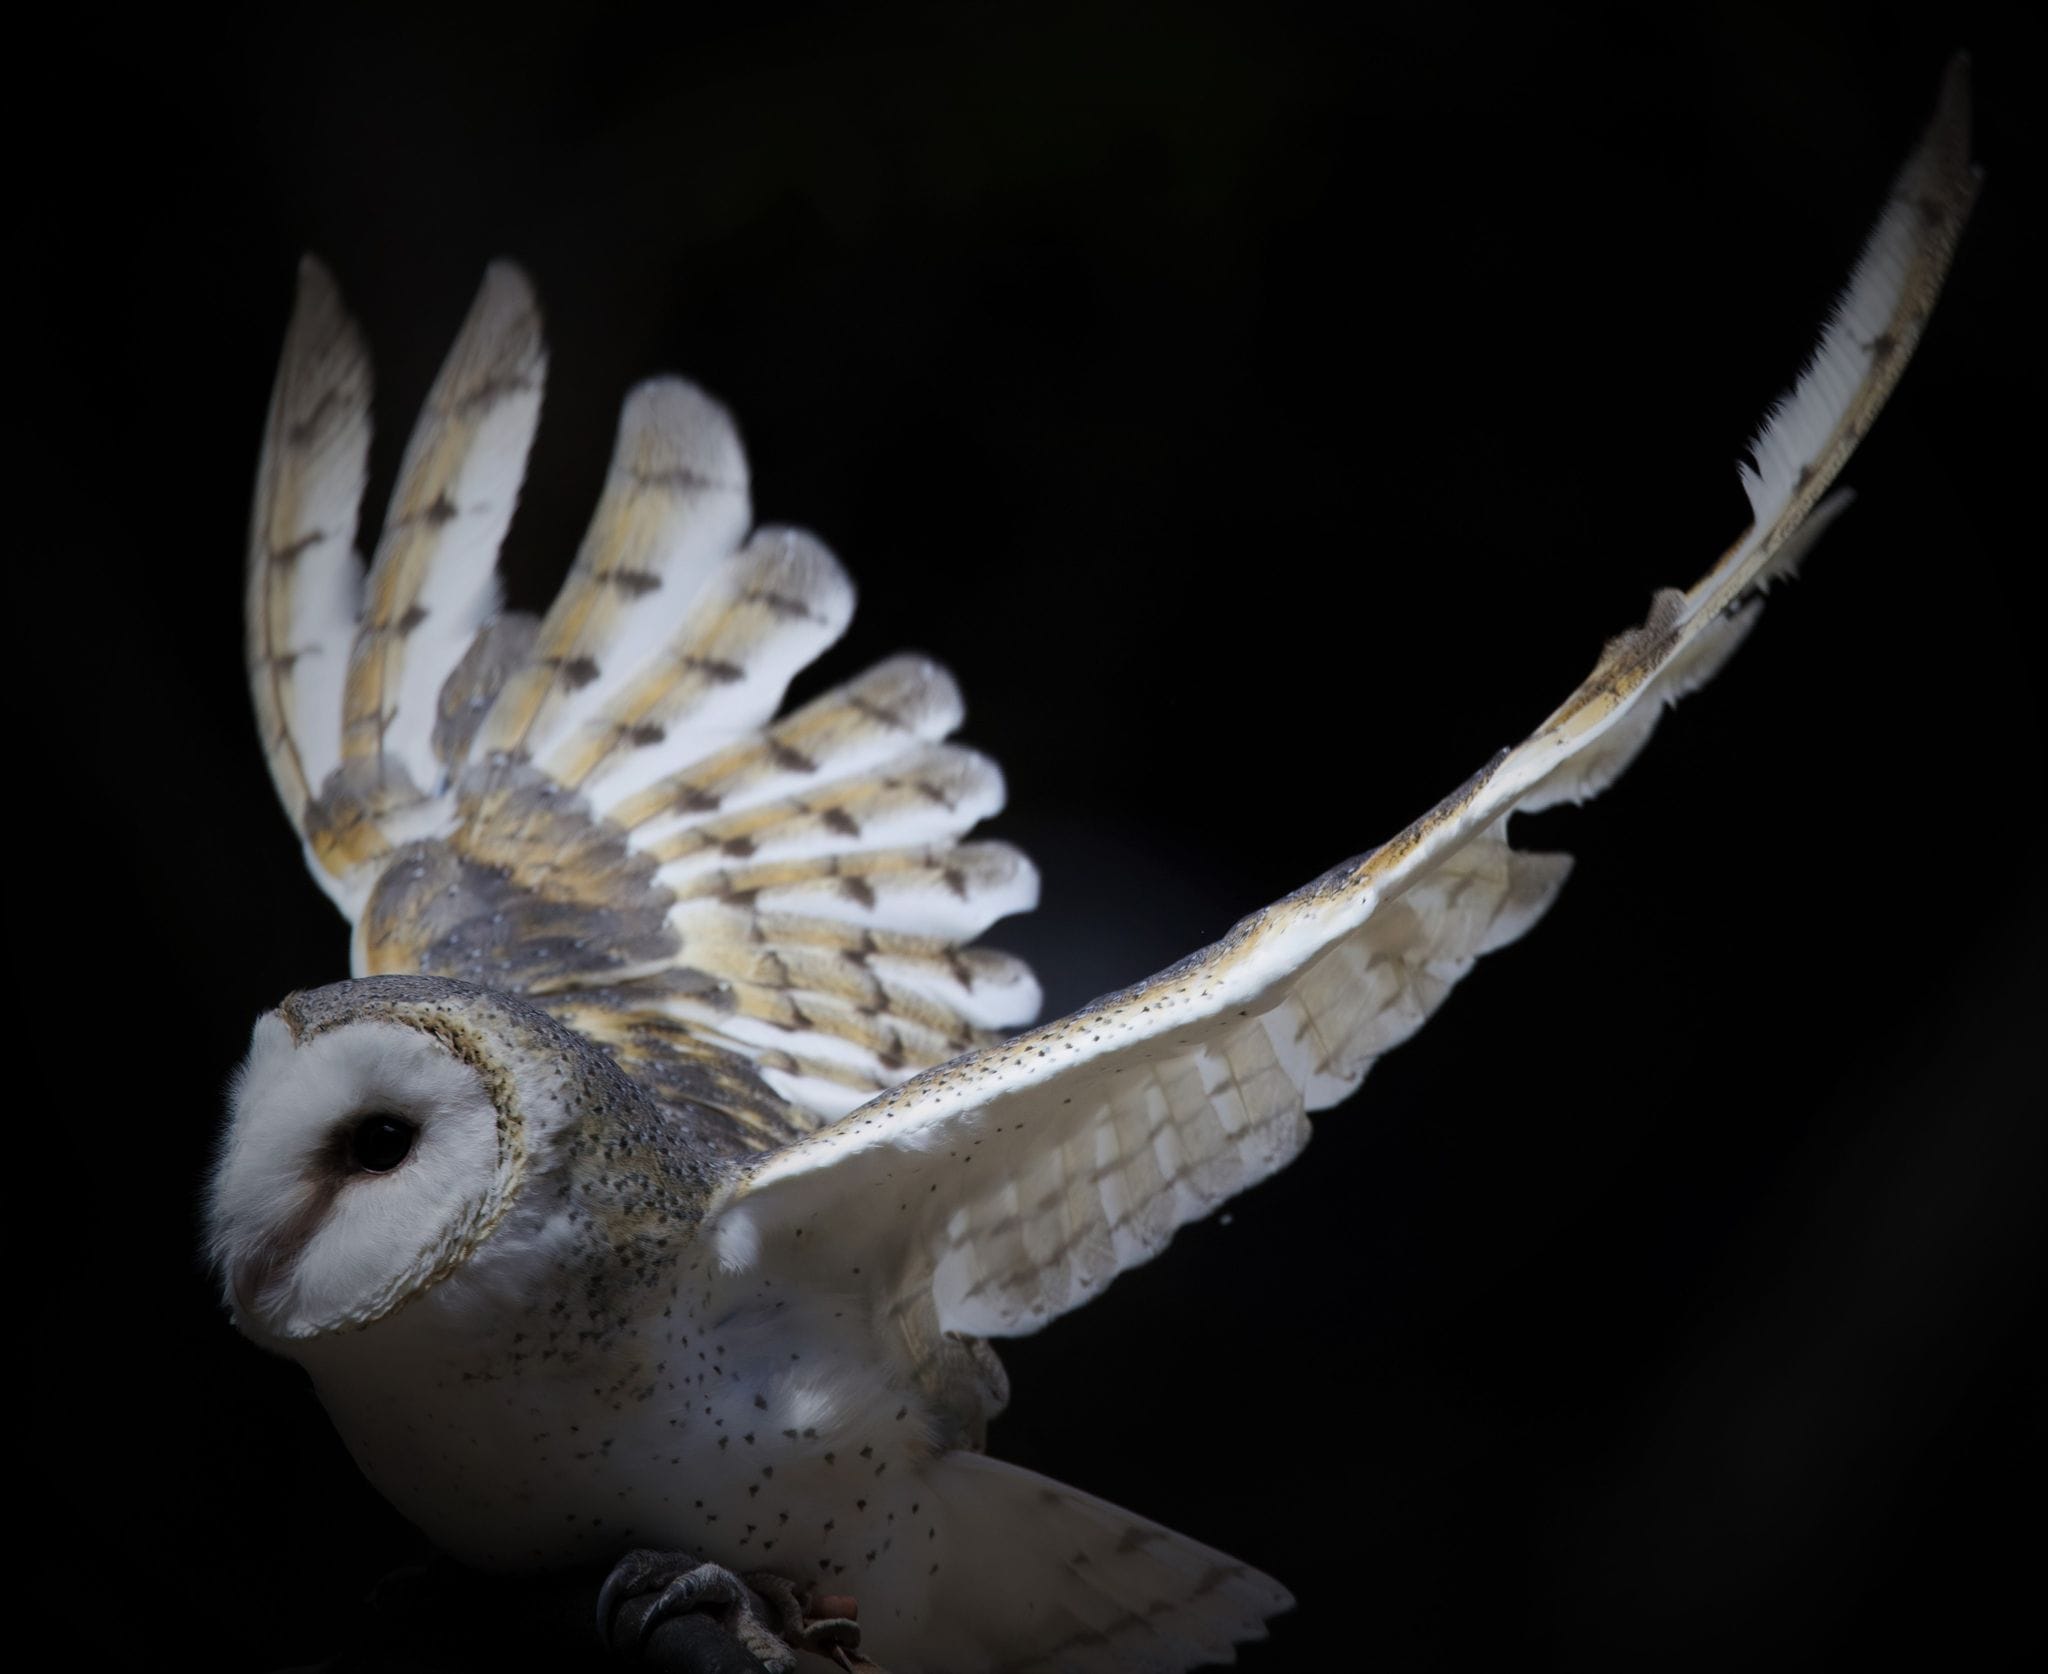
(600, 809)
(1001, 1189)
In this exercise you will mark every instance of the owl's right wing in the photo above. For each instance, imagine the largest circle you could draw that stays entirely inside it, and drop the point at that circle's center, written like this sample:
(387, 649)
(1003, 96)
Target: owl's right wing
(600, 809)
(994, 1192)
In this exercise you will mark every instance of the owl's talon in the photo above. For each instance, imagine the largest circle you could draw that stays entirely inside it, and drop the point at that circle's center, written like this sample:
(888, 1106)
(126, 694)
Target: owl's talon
(760, 1617)
(826, 1623)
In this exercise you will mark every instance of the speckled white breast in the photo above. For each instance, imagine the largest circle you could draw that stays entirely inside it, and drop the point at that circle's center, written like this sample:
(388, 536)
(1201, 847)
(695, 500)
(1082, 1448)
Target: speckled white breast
(744, 1427)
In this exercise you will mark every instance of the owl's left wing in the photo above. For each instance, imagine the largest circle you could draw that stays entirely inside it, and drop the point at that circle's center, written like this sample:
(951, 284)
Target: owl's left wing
(601, 810)
(1001, 1189)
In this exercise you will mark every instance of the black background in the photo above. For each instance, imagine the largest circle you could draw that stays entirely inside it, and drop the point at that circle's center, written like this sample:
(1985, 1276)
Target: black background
(1268, 418)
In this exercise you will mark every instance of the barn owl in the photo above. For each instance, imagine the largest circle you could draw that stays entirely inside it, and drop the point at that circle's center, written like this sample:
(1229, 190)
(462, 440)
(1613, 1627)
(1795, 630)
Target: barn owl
(650, 1194)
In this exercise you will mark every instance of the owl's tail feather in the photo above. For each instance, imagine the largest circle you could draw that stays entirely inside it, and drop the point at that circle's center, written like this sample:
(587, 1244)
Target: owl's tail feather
(1022, 1574)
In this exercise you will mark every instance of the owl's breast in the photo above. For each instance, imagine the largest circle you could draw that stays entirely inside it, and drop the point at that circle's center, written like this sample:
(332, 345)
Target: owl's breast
(759, 1431)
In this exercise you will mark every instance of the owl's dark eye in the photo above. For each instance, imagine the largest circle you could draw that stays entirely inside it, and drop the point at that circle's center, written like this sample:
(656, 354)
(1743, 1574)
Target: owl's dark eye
(379, 1143)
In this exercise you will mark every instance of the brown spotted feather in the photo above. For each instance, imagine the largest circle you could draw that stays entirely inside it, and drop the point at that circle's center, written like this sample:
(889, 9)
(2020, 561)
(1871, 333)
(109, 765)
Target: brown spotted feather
(674, 504)
(304, 576)
(599, 810)
(432, 585)
(865, 725)
(758, 619)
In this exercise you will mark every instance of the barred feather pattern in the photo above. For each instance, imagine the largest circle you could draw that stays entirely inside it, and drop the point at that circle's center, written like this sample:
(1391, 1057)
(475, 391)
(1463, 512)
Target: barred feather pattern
(762, 917)
(1192, 1127)
(305, 577)
(1007, 1186)
(1023, 1178)
(433, 583)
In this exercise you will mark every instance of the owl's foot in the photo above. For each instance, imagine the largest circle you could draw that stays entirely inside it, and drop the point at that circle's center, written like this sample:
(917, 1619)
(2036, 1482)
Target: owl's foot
(761, 1620)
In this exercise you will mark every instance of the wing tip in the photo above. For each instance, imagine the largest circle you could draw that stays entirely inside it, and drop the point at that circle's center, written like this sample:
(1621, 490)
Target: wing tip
(934, 686)
(314, 274)
(502, 335)
(1952, 105)
(506, 276)
(320, 319)
(820, 574)
(1941, 163)
(670, 427)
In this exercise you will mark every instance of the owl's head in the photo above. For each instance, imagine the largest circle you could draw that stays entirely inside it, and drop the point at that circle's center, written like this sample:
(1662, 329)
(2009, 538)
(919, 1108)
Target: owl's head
(379, 1133)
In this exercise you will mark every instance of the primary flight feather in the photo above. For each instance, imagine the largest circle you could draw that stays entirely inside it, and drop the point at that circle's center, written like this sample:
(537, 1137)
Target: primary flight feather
(656, 1181)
